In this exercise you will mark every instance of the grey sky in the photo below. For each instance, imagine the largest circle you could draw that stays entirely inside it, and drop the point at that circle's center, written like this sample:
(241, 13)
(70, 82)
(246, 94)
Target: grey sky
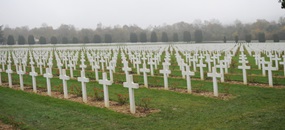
(87, 13)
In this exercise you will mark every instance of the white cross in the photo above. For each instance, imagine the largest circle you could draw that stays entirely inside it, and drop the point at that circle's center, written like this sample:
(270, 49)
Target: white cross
(3, 62)
(269, 68)
(244, 67)
(16, 64)
(70, 65)
(65, 62)
(270, 56)
(188, 74)
(113, 62)
(9, 71)
(102, 61)
(165, 71)
(64, 79)
(41, 66)
(111, 68)
(24, 63)
(256, 57)
(59, 66)
(283, 63)
(138, 62)
(126, 69)
(193, 60)
(131, 85)
(144, 59)
(263, 62)
(20, 72)
(48, 76)
(182, 68)
(74, 60)
(151, 63)
(187, 56)
(214, 59)
(83, 81)
(215, 75)
(82, 66)
(96, 67)
(208, 60)
(105, 82)
(226, 61)
(201, 65)
(50, 64)
(145, 70)
(276, 59)
(221, 66)
(34, 74)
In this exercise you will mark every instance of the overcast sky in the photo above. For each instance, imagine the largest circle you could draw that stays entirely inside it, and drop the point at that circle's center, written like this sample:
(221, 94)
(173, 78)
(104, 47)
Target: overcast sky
(87, 13)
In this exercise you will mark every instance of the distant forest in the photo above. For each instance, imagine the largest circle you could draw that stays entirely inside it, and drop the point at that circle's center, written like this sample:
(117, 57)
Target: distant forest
(197, 31)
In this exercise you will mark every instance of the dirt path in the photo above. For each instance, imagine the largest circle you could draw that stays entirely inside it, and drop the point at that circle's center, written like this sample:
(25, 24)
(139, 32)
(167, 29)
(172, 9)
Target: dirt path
(5, 126)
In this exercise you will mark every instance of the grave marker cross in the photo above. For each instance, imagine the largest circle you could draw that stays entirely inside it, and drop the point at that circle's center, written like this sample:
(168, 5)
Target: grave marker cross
(64, 79)
(83, 81)
(244, 67)
(145, 70)
(165, 71)
(20, 72)
(269, 68)
(201, 65)
(34, 74)
(105, 82)
(48, 76)
(188, 74)
(131, 85)
(215, 75)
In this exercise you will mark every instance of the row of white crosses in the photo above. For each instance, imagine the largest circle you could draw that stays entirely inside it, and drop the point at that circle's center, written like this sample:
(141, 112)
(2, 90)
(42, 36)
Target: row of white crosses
(273, 52)
(260, 61)
(9, 71)
(165, 71)
(185, 69)
(67, 59)
(144, 58)
(3, 56)
(223, 65)
(129, 83)
(244, 67)
(82, 79)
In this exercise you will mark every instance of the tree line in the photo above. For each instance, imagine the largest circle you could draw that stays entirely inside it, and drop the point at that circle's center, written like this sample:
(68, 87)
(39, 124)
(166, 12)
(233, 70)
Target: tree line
(197, 31)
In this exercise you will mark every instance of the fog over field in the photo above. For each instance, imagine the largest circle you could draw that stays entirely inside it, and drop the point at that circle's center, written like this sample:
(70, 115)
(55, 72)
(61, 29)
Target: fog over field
(87, 13)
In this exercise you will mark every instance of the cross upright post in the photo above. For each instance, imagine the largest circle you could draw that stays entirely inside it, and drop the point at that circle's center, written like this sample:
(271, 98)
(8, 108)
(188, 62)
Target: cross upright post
(83, 81)
(48, 76)
(105, 82)
(131, 85)
(34, 74)
(9, 71)
(64, 79)
(201, 65)
(269, 68)
(188, 74)
(145, 70)
(165, 71)
(215, 75)
(20, 72)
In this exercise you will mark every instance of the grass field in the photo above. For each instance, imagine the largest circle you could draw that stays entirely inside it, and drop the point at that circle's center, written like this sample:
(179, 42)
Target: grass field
(250, 107)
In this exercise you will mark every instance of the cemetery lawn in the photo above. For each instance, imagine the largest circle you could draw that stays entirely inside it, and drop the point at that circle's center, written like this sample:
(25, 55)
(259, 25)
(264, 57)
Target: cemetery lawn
(251, 108)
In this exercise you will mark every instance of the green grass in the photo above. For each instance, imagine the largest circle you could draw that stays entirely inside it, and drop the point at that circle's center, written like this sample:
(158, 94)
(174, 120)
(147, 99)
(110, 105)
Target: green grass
(251, 107)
